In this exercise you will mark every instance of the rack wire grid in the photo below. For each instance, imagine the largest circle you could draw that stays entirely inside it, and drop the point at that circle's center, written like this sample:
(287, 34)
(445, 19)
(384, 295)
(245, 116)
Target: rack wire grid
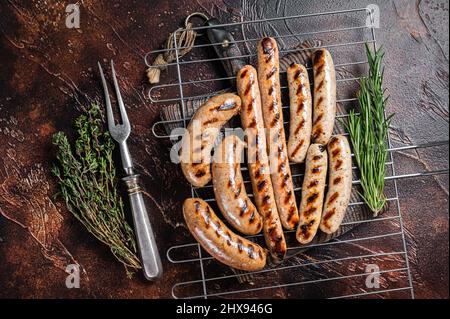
(343, 267)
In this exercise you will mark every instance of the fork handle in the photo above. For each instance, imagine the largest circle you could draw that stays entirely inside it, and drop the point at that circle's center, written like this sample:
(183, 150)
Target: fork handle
(151, 261)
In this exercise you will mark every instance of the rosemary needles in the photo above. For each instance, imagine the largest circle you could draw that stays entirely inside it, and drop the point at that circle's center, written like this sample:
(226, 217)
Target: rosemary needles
(369, 132)
(87, 182)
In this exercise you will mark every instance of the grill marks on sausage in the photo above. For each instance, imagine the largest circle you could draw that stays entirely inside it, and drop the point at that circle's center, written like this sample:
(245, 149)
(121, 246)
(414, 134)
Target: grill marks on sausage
(267, 46)
(317, 157)
(329, 214)
(336, 152)
(333, 198)
(312, 198)
(244, 208)
(300, 126)
(310, 211)
(275, 120)
(261, 185)
(306, 227)
(316, 170)
(319, 118)
(244, 73)
(272, 73)
(337, 180)
(313, 183)
(319, 61)
(318, 130)
(200, 173)
(298, 147)
(338, 165)
(333, 142)
(277, 239)
(207, 217)
(320, 86)
(248, 89)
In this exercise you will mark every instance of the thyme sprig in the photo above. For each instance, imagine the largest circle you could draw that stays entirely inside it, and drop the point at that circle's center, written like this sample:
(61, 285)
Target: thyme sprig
(87, 183)
(369, 133)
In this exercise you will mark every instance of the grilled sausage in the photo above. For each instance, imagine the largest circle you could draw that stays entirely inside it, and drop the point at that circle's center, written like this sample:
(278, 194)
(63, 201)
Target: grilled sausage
(312, 193)
(258, 162)
(300, 123)
(324, 97)
(269, 84)
(229, 188)
(339, 184)
(220, 242)
(201, 134)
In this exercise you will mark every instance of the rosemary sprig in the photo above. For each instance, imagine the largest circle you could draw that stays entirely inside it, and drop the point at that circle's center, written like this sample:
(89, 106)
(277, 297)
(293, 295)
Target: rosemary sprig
(87, 181)
(369, 132)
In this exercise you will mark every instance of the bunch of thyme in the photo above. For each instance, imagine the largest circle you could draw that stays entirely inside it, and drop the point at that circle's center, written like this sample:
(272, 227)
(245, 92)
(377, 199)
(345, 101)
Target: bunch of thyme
(369, 132)
(87, 183)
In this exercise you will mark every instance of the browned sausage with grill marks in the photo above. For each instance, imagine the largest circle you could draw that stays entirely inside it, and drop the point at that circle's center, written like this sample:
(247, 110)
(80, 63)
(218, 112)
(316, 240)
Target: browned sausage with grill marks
(312, 193)
(324, 111)
(300, 123)
(219, 241)
(229, 188)
(269, 84)
(201, 134)
(339, 184)
(258, 162)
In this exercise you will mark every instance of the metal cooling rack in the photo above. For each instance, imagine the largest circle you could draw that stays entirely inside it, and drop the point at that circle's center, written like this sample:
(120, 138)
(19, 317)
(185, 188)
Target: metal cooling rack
(312, 269)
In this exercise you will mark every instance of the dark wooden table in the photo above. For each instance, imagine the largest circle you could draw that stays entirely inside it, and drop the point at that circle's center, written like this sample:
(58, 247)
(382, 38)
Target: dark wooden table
(48, 72)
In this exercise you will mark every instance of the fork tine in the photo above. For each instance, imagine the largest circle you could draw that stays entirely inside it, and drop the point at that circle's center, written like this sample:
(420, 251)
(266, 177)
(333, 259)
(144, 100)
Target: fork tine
(109, 112)
(122, 109)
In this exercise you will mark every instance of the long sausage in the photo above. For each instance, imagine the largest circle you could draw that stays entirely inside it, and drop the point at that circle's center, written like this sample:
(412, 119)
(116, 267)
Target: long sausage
(258, 162)
(339, 184)
(312, 193)
(220, 242)
(269, 84)
(201, 134)
(300, 124)
(324, 97)
(229, 188)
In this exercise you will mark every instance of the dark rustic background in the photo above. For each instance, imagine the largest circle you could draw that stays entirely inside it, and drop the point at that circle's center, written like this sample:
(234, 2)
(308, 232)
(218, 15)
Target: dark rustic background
(49, 72)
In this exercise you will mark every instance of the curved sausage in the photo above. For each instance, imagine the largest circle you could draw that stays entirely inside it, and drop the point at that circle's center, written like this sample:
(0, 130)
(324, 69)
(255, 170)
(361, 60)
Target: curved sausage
(300, 124)
(269, 84)
(220, 242)
(258, 162)
(229, 188)
(312, 193)
(324, 97)
(201, 134)
(339, 184)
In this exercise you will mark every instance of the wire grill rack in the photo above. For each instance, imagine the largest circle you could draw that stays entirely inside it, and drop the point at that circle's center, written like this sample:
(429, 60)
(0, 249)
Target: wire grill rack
(334, 269)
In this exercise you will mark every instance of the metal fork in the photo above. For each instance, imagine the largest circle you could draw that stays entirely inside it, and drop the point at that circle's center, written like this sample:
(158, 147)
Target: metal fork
(151, 261)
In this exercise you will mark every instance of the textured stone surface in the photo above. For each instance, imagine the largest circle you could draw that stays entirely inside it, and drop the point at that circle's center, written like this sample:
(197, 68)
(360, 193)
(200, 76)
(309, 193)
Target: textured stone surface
(49, 72)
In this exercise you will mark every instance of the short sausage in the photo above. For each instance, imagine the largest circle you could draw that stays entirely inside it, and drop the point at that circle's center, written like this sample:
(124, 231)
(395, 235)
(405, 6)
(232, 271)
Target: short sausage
(339, 184)
(229, 188)
(324, 112)
(220, 242)
(201, 134)
(300, 123)
(312, 193)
